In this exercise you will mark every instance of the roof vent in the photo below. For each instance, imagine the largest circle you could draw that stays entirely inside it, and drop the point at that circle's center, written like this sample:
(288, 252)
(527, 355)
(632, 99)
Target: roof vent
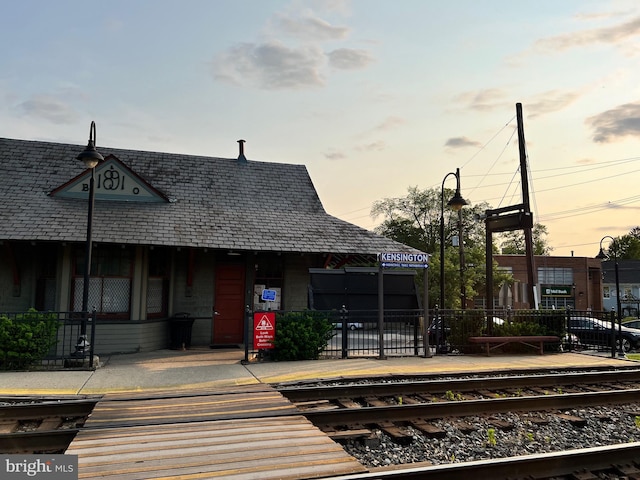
(241, 157)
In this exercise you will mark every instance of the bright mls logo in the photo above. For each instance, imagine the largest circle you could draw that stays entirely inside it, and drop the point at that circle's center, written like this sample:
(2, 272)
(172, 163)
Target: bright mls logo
(51, 467)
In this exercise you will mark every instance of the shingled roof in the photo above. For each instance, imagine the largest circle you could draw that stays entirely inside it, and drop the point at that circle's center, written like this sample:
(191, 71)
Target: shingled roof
(213, 203)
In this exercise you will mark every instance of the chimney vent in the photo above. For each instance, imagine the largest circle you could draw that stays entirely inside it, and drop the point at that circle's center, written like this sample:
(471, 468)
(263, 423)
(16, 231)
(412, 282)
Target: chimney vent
(241, 157)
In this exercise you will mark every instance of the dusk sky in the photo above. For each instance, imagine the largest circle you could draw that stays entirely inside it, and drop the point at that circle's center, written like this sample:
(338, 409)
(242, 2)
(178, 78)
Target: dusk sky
(372, 96)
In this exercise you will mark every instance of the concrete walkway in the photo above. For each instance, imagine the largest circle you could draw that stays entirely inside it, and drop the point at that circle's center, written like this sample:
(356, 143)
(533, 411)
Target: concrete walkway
(206, 368)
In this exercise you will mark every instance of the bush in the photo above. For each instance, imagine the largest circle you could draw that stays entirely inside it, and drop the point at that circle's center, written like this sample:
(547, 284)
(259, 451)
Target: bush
(301, 335)
(26, 339)
(469, 323)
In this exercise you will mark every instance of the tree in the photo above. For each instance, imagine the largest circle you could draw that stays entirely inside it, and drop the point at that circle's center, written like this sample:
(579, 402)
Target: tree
(626, 247)
(513, 242)
(415, 221)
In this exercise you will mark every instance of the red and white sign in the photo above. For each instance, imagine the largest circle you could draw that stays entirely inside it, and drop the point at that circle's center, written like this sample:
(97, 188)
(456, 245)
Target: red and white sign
(264, 330)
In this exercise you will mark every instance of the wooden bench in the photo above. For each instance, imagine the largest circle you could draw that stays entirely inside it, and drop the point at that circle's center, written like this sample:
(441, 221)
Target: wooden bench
(535, 341)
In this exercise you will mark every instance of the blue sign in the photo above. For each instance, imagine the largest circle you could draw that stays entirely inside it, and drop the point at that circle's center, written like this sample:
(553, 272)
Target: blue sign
(268, 295)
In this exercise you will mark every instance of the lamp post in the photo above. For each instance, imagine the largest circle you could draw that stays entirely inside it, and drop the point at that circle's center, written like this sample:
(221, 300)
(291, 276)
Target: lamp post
(601, 255)
(90, 157)
(457, 202)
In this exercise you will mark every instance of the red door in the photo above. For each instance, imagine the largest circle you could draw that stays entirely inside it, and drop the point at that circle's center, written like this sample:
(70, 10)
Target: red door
(228, 321)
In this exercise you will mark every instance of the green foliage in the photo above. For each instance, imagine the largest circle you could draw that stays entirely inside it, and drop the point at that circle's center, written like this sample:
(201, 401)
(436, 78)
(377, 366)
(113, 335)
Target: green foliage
(513, 242)
(26, 339)
(522, 326)
(625, 247)
(301, 335)
(491, 437)
(415, 221)
(469, 323)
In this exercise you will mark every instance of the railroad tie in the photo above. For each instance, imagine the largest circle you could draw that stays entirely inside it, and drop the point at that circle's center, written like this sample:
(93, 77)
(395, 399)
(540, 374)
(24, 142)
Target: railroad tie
(575, 421)
(399, 435)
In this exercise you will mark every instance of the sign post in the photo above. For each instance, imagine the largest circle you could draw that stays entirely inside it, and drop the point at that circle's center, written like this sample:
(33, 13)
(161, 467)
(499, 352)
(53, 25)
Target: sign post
(404, 260)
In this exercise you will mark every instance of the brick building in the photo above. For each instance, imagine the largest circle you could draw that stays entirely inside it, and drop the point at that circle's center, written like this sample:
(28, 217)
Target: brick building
(574, 282)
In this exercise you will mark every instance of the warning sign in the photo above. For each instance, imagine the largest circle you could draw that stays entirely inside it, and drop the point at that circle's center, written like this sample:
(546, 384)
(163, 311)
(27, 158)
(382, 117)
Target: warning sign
(264, 329)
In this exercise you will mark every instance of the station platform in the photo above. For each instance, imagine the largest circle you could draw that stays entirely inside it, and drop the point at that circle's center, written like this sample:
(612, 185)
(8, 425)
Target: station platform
(216, 368)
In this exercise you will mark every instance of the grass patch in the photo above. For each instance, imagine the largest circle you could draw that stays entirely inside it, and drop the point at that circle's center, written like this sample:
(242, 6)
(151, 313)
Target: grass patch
(633, 356)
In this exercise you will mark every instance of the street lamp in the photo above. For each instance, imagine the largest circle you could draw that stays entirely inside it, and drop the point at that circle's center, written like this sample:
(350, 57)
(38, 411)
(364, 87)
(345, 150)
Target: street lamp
(90, 157)
(456, 203)
(601, 255)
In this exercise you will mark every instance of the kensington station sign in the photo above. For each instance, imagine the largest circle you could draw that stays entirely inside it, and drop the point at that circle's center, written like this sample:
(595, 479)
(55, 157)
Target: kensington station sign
(404, 260)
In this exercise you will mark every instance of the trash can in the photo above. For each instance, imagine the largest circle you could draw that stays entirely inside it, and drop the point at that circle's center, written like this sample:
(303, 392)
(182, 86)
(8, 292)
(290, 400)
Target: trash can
(180, 326)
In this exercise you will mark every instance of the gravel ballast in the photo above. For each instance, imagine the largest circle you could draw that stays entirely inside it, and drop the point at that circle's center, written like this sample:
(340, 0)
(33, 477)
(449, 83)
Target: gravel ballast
(531, 433)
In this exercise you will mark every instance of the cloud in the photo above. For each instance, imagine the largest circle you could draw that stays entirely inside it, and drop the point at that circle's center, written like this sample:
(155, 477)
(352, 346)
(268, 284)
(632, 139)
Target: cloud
(484, 100)
(389, 123)
(608, 35)
(349, 59)
(49, 108)
(376, 146)
(334, 155)
(271, 66)
(461, 142)
(618, 122)
(540, 104)
(551, 101)
(308, 27)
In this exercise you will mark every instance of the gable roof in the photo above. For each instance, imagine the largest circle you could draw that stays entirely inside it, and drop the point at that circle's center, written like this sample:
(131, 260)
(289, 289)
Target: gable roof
(213, 203)
(628, 271)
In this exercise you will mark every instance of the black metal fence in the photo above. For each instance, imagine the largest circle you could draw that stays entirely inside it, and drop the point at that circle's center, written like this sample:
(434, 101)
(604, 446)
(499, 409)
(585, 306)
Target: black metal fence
(69, 342)
(358, 333)
(404, 333)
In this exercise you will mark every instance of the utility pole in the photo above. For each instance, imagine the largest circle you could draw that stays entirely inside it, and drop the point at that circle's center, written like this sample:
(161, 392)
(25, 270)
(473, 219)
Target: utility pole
(528, 229)
(499, 220)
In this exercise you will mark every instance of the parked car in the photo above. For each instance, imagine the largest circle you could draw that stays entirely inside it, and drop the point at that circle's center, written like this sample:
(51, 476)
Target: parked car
(592, 331)
(632, 324)
(350, 325)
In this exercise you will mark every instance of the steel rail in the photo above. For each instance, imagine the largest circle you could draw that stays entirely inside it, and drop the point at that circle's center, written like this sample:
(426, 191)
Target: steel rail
(546, 465)
(396, 413)
(37, 441)
(42, 409)
(302, 393)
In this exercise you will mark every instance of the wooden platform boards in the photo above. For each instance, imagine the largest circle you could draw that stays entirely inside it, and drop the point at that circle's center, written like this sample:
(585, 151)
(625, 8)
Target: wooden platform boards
(235, 435)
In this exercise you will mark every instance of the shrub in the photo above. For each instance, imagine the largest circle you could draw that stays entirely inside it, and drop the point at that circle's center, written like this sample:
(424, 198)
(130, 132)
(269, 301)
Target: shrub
(519, 327)
(468, 323)
(301, 335)
(26, 339)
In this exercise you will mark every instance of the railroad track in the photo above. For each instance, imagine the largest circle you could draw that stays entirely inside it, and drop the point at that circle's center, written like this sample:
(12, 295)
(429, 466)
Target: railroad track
(36, 424)
(425, 389)
(356, 413)
(611, 462)
(431, 409)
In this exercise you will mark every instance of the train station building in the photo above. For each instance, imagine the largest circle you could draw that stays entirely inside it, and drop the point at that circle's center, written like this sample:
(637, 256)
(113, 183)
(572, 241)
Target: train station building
(170, 233)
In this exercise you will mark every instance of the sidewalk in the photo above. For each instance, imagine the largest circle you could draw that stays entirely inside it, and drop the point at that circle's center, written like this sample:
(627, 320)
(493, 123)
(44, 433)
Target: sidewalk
(206, 368)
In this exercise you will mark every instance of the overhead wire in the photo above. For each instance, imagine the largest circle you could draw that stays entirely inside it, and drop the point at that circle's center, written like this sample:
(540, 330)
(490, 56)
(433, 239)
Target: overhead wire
(558, 172)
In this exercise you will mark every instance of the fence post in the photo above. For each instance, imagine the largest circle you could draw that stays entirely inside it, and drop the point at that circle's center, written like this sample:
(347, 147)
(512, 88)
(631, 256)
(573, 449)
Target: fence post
(247, 325)
(613, 333)
(416, 327)
(437, 327)
(94, 316)
(567, 328)
(344, 317)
